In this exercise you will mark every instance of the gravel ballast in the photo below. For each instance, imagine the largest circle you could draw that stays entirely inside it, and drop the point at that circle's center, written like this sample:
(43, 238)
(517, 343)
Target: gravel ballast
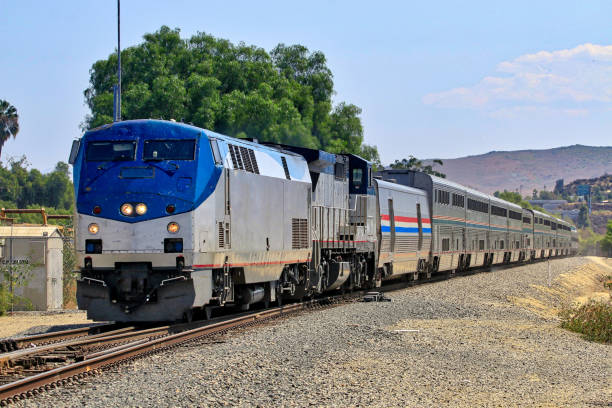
(479, 340)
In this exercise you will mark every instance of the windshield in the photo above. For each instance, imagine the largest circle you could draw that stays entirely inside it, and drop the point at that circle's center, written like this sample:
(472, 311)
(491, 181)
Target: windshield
(110, 151)
(169, 149)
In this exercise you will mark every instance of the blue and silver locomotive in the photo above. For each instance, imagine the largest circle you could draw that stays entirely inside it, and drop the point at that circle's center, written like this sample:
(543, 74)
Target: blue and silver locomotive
(173, 219)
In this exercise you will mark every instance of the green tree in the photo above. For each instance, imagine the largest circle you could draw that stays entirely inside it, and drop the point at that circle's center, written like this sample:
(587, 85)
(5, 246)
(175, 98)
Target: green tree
(606, 242)
(241, 90)
(583, 220)
(547, 195)
(9, 122)
(412, 163)
(513, 197)
(24, 188)
(370, 153)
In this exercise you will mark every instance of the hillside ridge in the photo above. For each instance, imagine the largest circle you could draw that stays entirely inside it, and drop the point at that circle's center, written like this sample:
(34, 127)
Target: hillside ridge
(528, 169)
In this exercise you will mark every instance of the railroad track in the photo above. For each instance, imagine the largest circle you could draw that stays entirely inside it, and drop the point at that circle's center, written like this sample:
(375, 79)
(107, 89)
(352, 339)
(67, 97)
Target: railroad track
(74, 354)
(131, 345)
(18, 343)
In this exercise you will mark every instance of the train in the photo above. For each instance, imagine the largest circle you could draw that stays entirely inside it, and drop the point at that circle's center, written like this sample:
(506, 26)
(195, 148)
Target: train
(174, 221)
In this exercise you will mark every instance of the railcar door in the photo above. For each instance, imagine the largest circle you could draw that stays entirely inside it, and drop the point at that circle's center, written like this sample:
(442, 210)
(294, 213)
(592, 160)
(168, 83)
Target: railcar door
(392, 226)
(420, 225)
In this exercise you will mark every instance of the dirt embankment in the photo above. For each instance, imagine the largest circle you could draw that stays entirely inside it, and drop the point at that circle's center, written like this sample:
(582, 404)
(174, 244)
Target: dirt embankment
(30, 322)
(576, 286)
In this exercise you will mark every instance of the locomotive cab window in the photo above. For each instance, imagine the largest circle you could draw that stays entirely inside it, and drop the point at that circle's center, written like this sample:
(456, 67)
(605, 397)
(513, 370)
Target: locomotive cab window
(357, 178)
(169, 150)
(110, 151)
(339, 172)
(214, 146)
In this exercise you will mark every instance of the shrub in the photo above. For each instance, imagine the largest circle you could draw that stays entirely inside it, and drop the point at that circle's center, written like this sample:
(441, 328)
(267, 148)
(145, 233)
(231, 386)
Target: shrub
(593, 320)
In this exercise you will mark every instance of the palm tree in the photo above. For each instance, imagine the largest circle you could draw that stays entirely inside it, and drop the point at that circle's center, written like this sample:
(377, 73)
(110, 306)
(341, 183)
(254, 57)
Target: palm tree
(9, 122)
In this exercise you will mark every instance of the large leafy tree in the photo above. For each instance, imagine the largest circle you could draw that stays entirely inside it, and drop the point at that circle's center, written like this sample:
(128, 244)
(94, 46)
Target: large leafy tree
(9, 122)
(284, 96)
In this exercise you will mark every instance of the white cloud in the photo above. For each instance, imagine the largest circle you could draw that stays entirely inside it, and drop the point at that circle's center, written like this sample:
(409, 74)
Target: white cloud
(567, 81)
(534, 111)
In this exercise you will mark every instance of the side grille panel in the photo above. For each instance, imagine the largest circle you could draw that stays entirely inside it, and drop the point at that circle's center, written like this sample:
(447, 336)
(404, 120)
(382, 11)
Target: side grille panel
(299, 233)
(221, 235)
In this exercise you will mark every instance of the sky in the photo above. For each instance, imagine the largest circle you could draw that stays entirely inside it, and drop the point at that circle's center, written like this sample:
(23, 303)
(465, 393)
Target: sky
(435, 79)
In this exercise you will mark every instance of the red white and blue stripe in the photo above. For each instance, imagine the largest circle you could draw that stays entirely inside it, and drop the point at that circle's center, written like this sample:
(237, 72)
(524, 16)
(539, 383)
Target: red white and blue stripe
(405, 225)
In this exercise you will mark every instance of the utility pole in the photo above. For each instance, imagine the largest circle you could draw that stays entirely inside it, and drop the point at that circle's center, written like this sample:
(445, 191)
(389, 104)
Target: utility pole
(117, 117)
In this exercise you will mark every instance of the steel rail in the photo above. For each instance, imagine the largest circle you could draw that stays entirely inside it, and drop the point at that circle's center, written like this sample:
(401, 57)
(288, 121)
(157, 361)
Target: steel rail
(31, 385)
(16, 343)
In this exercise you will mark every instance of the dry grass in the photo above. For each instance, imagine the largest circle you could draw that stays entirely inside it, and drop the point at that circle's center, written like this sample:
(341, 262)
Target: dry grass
(576, 287)
(593, 320)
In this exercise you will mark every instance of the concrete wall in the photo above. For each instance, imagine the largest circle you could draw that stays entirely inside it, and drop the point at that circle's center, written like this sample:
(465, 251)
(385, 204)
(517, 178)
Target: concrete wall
(41, 260)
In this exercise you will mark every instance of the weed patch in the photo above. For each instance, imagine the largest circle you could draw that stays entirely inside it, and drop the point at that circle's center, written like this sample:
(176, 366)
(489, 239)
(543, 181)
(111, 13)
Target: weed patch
(593, 320)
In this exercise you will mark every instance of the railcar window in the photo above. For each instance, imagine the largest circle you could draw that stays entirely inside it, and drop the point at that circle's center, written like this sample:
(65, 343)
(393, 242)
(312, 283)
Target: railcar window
(339, 172)
(514, 215)
(443, 197)
(526, 220)
(169, 150)
(547, 223)
(479, 206)
(110, 151)
(445, 244)
(458, 200)
(501, 212)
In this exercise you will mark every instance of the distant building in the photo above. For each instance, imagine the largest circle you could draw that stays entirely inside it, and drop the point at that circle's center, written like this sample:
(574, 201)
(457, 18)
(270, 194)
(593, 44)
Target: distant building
(549, 205)
(36, 252)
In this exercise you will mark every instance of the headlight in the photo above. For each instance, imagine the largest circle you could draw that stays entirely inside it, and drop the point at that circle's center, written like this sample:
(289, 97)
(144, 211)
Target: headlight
(93, 228)
(127, 209)
(173, 227)
(141, 208)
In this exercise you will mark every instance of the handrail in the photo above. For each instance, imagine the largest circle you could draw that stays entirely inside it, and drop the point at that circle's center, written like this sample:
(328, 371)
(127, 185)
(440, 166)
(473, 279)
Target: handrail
(40, 211)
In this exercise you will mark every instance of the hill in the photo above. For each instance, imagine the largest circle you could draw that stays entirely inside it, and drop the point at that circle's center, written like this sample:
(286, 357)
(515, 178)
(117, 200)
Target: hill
(600, 187)
(528, 169)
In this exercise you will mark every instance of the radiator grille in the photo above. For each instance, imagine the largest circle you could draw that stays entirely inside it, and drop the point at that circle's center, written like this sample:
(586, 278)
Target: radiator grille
(253, 161)
(233, 153)
(243, 159)
(299, 233)
(287, 175)
(246, 160)
(221, 235)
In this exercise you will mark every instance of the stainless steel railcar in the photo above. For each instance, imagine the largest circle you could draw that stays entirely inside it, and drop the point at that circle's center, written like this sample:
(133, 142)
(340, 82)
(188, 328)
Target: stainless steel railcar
(472, 229)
